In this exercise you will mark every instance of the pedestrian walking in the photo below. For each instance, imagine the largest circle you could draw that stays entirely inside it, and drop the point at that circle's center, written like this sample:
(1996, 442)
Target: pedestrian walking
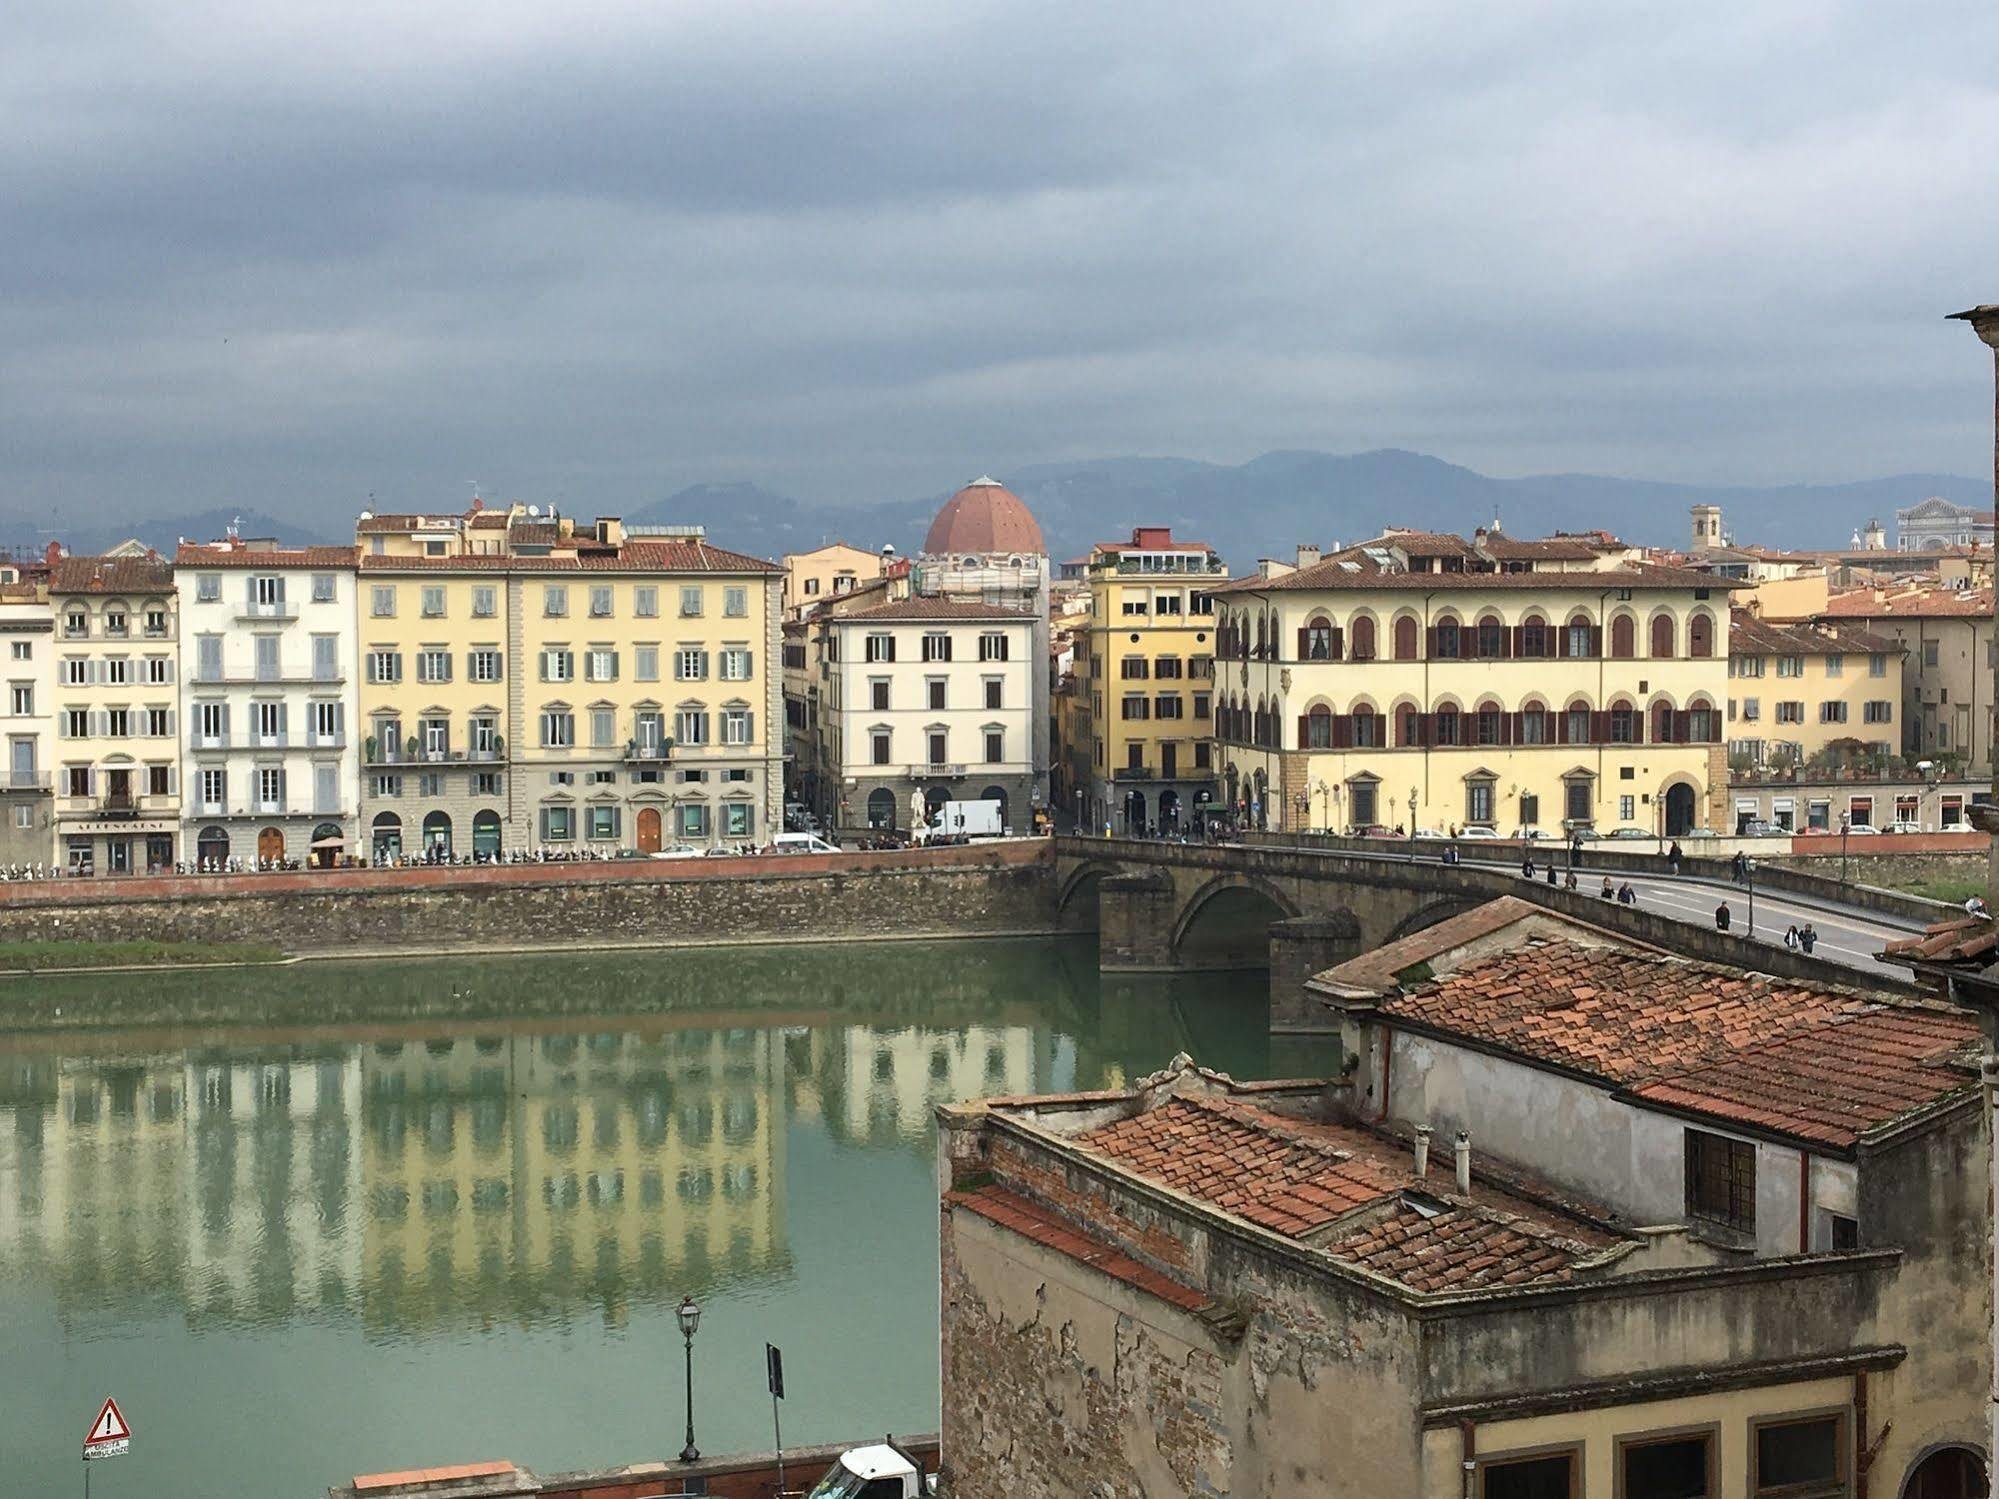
(1808, 938)
(1626, 896)
(1570, 883)
(1739, 866)
(1791, 937)
(1609, 891)
(1527, 868)
(1721, 917)
(1674, 856)
(1553, 873)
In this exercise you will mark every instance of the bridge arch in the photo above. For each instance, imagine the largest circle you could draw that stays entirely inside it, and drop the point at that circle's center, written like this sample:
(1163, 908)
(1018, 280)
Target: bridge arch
(1226, 923)
(1428, 916)
(1076, 903)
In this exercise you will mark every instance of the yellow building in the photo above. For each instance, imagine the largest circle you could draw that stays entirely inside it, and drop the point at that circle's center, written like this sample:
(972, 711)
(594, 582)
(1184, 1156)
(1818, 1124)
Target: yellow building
(1798, 693)
(826, 572)
(533, 683)
(1142, 711)
(117, 791)
(1513, 685)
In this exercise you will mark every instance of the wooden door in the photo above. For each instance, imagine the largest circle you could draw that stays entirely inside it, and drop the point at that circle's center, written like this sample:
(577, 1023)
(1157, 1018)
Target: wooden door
(649, 830)
(271, 844)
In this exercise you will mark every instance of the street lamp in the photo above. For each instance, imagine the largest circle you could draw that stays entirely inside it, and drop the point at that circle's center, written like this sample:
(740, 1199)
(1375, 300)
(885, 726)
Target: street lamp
(1412, 824)
(1845, 826)
(689, 1316)
(1749, 875)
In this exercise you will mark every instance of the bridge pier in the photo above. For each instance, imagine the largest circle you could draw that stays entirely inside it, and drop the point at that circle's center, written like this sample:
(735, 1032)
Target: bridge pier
(1134, 915)
(1301, 946)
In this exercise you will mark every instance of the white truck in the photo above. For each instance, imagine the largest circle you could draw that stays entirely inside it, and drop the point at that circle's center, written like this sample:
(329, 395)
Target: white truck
(880, 1471)
(984, 819)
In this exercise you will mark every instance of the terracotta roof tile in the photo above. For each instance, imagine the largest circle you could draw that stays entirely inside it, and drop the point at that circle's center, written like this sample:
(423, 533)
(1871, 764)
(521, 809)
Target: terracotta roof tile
(1921, 602)
(196, 554)
(1457, 1249)
(1750, 636)
(997, 1205)
(112, 575)
(634, 556)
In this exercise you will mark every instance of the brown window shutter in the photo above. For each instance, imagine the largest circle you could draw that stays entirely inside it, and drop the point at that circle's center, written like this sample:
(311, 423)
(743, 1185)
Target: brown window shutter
(1599, 727)
(1519, 638)
(1430, 643)
(1513, 728)
(1304, 730)
(1304, 642)
(1339, 647)
(1342, 730)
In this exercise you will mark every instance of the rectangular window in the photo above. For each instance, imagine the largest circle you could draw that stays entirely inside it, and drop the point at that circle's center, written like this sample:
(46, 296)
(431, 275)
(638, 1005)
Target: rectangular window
(1166, 668)
(935, 689)
(995, 746)
(995, 693)
(1790, 712)
(385, 667)
(159, 723)
(1478, 802)
(936, 646)
(690, 664)
(881, 648)
(1134, 669)
(325, 588)
(326, 723)
(603, 728)
(555, 600)
(1548, 1475)
(645, 601)
(558, 665)
(603, 822)
(878, 694)
(690, 603)
(382, 601)
(600, 601)
(483, 665)
(1136, 707)
(645, 663)
(738, 815)
(691, 725)
(485, 601)
(993, 646)
(433, 601)
(736, 726)
(1578, 801)
(736, 603)
(1877, 665)
(1166, 705)
(1627, 808)
(486, 783)
(693, 820)
(1835, 666)
(433, 665)
(879, 744)
(600, 665)
(325, 658)
(24, 699)
(1721, 1180)
(558, 824)
(736, 664)
(1832, 712)
(937, 746)
(208, 588)
(1679, 1466)
(1879, 711)
(1804, 1458)
(558, 729)
(214, 790)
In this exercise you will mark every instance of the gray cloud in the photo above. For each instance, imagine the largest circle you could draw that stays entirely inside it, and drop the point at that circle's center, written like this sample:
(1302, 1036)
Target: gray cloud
(287, 255)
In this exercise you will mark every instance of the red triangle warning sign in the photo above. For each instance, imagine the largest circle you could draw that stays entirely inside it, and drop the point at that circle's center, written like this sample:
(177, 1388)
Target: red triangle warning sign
(109, 1427)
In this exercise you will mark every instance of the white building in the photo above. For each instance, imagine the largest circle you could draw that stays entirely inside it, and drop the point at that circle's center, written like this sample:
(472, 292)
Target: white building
(268, 700)
(27, 718)
(927, 697)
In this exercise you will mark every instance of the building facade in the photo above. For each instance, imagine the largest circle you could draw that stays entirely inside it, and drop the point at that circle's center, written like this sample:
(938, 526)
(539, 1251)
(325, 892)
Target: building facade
(1144, 684)
(117, 759)
(826, 573)
(27, 719)
(540, 685)
(925, 700)
(1936, 523)
(1427, 682)
(269, 701)
(1949, 657)
(1804, 695)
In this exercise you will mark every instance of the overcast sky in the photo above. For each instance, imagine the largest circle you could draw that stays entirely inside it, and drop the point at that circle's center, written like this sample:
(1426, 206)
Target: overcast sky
(284, 253)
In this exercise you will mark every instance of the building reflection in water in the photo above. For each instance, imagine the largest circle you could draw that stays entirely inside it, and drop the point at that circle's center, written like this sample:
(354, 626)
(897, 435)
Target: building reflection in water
(528, 1162)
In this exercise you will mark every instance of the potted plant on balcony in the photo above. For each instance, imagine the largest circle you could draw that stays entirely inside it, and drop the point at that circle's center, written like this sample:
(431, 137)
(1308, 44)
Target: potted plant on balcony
(410, 747)
(368, 748)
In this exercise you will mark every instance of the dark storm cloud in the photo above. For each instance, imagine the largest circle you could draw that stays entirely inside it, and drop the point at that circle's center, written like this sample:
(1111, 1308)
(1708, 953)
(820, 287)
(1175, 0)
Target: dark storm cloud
(287, 254)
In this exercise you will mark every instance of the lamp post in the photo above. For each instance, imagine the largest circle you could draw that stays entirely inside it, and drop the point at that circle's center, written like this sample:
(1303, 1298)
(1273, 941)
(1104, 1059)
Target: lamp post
(1412, 824)
(1845, 826)
(689, 1316)
(1749, 875)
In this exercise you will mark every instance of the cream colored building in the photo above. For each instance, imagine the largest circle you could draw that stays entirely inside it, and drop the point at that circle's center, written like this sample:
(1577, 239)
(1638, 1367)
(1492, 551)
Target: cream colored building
(269, 702)
(1513, 685)
(1144, 681)
(1799, 692)
(27, 719)
(117, 759)
(925, 698)
(826, 573)
(533, 683)
(1950, 650)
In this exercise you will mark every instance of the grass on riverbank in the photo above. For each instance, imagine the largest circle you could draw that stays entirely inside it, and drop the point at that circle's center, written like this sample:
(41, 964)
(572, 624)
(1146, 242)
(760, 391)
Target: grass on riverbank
(53, 955)
(1952, 889)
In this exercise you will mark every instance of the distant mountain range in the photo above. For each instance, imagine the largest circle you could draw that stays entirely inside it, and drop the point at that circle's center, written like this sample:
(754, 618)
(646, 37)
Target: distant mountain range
(1262, 508)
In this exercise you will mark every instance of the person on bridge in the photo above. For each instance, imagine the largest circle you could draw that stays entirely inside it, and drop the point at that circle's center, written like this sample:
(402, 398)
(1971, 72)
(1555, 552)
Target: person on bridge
(1527, 867)
(1626, 896)
(1976, 906)
(1808, 938)
(1721, 917)
(1553, 873)
(1791, 937)
(1673, 857)
(1609, 891)
(1570, 883)
(1739, 866)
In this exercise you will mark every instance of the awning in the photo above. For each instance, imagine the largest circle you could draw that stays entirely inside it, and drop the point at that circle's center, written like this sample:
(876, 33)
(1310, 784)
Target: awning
(329, 843)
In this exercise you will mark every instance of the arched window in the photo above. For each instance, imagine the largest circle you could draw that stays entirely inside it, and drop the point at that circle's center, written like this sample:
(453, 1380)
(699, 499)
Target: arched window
(1405, 638)
(212, 847)
(1623, 723)
(1700, 635)
(1449, 647)
(1701, 723)
(1623, 638)
(1491, 643)
(1534, 637)
(1662, 636)
(1315, 641)
(1449, 731)
(388, 835)
(1662, 723)
(1318, 728)
(1533, 723)
(1579, 639)
(1366, 727)
(881, 808)
(1575, 723)
(1262, 636)
(1412, 727)
(437, 832)
(1491, 723)
(1362, 630)
(486, 832)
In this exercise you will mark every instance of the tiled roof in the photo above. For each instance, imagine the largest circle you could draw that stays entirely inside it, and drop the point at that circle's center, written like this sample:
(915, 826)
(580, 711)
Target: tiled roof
(1613, 1014)
(997, 1205)
(1930, 602)
(1820, 1064)
(386, 525)
(1457, 1249)
(1552, 548)
(1750, 636)
(112, 575)
(1834, 1082)
(634, 556)
(196, 554)
(923, 606)
(1354, 569)
(1958, 940)
(1377, 968)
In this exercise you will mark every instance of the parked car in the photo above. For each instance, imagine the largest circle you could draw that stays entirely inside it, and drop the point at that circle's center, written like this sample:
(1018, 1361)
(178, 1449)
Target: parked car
(1861, 827)
(1903, 825)
(1756, 827)
(679, 851)
(801, 843)
(1629, 834)
(1371, 830)
(1426, 833)
(1528, 835)
(1478, 832)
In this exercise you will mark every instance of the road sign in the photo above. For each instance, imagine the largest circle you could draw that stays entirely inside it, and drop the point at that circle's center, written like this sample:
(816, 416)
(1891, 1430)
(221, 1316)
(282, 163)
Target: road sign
(774, 1370)
(109, 1435)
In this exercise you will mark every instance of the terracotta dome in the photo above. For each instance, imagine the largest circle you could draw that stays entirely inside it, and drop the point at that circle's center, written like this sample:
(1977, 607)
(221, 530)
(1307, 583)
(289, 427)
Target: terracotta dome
(983, 519)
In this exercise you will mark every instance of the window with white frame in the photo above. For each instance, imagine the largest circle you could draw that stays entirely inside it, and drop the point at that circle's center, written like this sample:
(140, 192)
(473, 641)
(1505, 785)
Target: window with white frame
(736, 603)
(558, 729)
(601, 664)
(214, 790)
(690, 664)
(691, 726)
(433, 664)
(736, 664)
(555, 600)
(558, 664)
(645, 601)
(382, 601)
(735, 725)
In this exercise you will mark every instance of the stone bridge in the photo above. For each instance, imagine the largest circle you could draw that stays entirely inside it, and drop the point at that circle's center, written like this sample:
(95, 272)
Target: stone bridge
(1172, 907)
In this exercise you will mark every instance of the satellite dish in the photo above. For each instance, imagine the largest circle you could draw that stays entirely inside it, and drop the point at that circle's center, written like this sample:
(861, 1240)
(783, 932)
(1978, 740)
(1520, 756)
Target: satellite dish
(534, 510)
(367, 515)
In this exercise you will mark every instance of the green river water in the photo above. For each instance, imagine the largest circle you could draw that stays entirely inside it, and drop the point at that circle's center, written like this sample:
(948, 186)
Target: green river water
(331, 1219)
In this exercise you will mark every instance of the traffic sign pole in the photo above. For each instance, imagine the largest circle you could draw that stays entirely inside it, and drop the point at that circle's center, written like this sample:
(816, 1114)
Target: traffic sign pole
(774, 1377)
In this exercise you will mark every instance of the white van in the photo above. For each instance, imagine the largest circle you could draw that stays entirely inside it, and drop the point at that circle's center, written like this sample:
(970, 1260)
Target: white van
(802, 843)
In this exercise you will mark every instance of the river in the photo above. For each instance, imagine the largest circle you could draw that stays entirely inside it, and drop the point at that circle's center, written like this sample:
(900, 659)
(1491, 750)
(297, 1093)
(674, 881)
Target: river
(331, 1219)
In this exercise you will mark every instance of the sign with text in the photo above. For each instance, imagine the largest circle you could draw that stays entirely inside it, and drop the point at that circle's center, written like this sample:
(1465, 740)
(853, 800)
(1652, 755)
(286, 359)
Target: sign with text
(109, 1435)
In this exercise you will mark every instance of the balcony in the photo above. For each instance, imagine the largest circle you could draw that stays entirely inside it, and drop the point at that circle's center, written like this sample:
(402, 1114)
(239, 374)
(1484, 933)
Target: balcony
(279, 610)
(640, 753)
(937, 772)
(1134, 773)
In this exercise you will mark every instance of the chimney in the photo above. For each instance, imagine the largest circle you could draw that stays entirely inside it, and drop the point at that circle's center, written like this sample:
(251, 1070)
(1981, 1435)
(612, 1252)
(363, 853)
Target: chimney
(565, 527)
(1308, 556)
(1422, 1151)
(610, 531)
(1463, 1148)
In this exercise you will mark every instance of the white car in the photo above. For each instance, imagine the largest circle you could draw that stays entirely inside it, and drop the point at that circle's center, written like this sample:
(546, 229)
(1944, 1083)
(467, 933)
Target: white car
(1901, 825)
(1860, 828)
(802, 843)
(679, 851)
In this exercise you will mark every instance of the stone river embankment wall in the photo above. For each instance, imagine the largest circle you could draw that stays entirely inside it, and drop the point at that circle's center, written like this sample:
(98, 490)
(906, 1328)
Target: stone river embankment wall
(975, 890)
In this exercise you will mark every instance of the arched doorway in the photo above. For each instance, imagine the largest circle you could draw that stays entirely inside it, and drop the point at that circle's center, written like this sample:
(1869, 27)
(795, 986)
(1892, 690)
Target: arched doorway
(327, 842)
(437, 833)
(934, 799)
(270, 845)
(1134, 813)
(212, 847)
(1947, 1473)
(881, 808)
(486, 832)
(1679, 810)
(387, 840)
(648, 834)
(1169, 811)
(995, 794)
